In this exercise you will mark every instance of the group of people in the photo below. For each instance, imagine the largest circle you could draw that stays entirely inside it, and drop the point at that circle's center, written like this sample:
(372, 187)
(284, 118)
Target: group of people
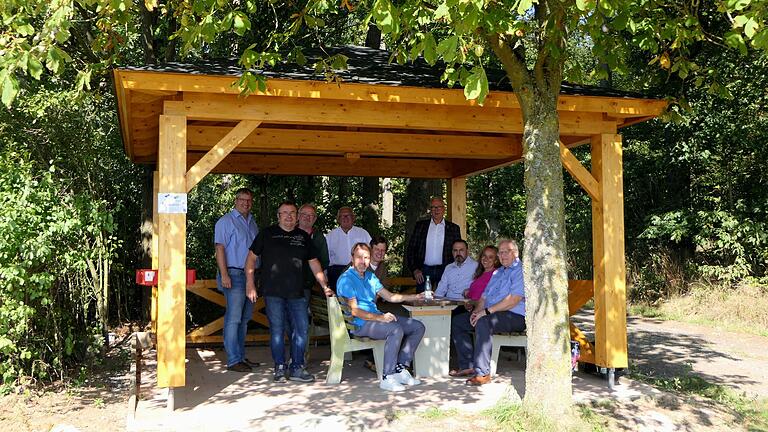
(290, 256)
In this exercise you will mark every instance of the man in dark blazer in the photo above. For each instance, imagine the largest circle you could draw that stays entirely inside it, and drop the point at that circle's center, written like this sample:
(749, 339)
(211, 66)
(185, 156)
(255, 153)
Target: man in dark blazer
(429, 248)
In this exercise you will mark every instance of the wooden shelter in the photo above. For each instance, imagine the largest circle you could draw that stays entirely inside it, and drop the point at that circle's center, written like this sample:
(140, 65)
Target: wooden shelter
(380, 119)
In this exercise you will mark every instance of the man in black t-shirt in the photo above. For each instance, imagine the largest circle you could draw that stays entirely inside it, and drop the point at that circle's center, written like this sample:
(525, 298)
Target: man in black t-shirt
(283, 249)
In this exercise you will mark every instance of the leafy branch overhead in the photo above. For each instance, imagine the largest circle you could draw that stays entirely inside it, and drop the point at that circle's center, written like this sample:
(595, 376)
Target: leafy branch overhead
(529, 37)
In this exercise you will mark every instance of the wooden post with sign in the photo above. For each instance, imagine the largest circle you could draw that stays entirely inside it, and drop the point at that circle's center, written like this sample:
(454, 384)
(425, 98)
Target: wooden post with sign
(172, 253)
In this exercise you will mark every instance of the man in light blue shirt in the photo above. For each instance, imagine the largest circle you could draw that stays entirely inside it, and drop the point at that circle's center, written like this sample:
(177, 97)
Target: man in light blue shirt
(457, 275)
(359, 287)
(233, 235)
(501, 309)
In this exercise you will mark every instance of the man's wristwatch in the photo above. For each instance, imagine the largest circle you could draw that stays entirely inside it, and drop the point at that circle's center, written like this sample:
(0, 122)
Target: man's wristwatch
(487, 312)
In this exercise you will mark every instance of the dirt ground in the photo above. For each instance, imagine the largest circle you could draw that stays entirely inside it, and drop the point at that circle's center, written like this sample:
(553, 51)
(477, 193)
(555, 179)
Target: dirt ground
(657, 348)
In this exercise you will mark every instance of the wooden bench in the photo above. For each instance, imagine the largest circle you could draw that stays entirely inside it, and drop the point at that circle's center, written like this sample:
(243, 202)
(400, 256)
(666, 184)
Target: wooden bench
(505, 339)
(342, 342)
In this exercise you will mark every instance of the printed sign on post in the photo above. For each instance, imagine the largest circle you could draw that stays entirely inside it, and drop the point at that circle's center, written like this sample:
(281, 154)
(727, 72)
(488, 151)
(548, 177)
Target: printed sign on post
(172, 203)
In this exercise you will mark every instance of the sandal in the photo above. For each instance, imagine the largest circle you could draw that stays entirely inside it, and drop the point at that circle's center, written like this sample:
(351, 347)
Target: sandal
(462, 373)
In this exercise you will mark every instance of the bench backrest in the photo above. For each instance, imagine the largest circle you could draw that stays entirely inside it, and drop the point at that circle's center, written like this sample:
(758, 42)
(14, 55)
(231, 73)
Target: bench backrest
(338, 325)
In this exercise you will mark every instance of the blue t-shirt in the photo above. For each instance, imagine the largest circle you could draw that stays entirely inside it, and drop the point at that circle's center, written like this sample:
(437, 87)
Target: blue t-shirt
(364, 289)
(506, 281)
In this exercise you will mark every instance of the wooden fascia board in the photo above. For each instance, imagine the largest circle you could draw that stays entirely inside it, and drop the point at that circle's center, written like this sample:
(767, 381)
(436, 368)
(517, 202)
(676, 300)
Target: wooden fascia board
(272, 140)
(373, 115)
(328, 165)
(123, 112)
(218, 84)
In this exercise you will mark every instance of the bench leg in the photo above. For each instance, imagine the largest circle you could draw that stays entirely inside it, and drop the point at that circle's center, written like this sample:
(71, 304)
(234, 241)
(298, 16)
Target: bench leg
(495, 357)
(337, 364)
(378, 358)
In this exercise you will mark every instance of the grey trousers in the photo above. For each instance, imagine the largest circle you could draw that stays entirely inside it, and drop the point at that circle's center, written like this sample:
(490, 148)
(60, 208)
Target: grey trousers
(402, 338)
(478, 356)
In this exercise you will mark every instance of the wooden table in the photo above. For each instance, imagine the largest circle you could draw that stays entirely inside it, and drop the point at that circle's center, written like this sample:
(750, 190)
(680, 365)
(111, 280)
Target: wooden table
(432, 355)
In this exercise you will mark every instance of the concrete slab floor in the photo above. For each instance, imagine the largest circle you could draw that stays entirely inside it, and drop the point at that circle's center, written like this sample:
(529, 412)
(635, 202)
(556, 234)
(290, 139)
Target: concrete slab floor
(215, 399)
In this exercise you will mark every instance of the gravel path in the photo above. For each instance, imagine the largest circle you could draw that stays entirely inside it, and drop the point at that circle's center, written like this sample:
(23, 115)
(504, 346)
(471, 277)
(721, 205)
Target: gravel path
(673, 348)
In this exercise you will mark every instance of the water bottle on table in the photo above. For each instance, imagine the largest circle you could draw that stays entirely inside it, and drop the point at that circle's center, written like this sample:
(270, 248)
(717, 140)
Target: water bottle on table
(428, 290)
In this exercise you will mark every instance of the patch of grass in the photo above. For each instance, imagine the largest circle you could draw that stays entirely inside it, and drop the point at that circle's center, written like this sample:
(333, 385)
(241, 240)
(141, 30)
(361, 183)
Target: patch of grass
(741, 309)
(512, 416)
(434, 413)
(753, 412)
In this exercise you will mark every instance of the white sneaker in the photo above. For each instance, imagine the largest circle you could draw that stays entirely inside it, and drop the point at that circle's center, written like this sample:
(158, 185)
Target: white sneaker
(405, 378)
(390, 383)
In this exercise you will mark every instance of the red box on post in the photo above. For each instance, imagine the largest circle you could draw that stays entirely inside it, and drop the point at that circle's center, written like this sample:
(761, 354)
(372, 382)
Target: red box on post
(147, 277)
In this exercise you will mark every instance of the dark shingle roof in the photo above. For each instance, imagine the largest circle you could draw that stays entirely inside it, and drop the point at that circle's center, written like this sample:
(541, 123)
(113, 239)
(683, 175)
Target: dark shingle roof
(367, 66)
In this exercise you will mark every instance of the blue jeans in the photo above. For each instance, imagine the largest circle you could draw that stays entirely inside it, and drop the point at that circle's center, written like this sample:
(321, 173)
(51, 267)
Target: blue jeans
(402, 338)
(236, 317)
(478, 355)
(281, 314)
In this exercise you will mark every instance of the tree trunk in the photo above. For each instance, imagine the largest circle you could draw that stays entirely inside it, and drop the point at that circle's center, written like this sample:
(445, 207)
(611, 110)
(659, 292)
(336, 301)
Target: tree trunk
(369, 219)
(146, 227)
(548, 373)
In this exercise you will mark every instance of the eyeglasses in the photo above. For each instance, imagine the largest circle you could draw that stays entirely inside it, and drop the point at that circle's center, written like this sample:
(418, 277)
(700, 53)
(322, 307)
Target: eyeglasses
(311, 215)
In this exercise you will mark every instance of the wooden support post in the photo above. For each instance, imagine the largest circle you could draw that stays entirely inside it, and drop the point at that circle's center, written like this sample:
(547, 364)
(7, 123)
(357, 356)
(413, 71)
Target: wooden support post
(155, 261)
(457, 203)
(608, 253)
(172, 256)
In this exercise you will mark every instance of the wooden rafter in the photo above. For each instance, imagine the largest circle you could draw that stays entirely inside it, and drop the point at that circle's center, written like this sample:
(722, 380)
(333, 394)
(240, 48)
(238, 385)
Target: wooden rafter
(219, 151)
(582, 176)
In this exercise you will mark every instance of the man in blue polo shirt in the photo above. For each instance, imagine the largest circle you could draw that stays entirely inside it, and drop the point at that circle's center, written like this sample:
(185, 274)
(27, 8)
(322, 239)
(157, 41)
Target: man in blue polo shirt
(501, 309)
(233, 235)
(359, 286)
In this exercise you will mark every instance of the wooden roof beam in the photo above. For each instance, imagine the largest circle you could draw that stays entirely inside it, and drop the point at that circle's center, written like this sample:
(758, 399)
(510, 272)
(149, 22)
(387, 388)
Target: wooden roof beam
(201, 138)
(328, 165)
(368, 114)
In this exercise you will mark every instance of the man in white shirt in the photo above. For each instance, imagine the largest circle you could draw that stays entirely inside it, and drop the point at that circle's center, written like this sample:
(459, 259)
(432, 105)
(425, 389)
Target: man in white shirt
(457, 275)
(340, 242)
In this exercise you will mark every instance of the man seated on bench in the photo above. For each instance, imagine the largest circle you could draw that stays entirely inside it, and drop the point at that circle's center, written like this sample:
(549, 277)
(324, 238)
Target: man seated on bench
(501, 309)
(359, 286)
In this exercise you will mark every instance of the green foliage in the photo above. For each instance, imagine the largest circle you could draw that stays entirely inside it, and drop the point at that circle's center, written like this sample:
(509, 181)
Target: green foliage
(59, 214)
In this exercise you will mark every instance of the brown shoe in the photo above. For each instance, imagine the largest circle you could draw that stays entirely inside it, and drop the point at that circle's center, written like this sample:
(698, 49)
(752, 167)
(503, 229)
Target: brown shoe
(479, 380)
(462, 373)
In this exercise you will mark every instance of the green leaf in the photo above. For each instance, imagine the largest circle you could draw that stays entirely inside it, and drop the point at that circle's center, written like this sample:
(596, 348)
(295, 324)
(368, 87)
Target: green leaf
(447, 48)
(10, 90)
(442, 11)
(476, 86)
(750, 28)
(737, 4)
(734, 40)
(241, 23)
(35, 67)
(582, 4)
(523, 6)
(430, 49)
(386, 16)
(25, 30)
